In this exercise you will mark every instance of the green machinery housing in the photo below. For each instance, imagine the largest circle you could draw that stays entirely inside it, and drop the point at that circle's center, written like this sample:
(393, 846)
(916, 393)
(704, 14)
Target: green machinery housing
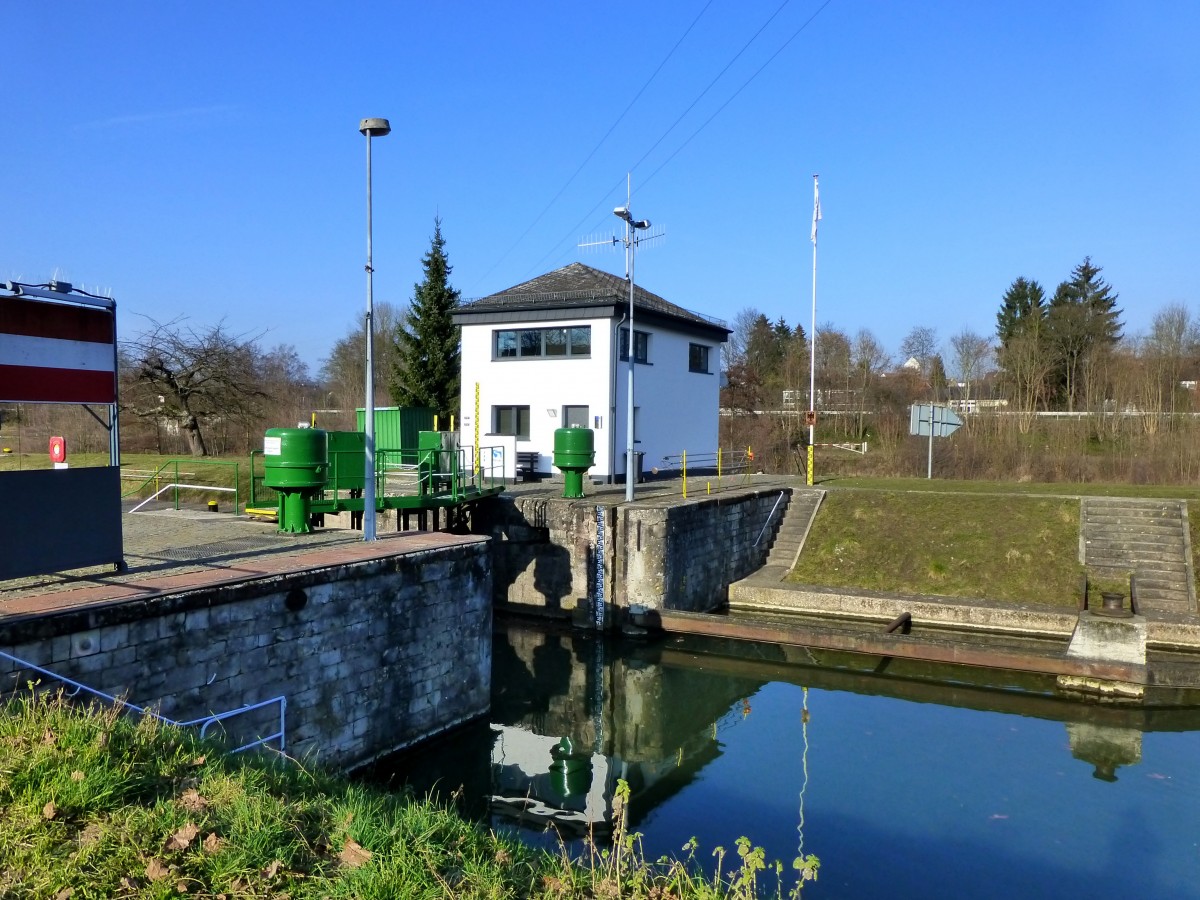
(311, 472)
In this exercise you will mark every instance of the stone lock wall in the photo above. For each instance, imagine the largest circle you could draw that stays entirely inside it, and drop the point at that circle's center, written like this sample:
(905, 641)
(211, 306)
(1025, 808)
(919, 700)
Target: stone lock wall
(557, 556)
(686, 554)
(372, 656)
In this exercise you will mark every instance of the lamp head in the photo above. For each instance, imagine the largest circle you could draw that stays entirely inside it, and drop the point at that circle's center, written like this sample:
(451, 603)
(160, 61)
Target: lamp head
(374, 127)
(641, 223)
(622, 212)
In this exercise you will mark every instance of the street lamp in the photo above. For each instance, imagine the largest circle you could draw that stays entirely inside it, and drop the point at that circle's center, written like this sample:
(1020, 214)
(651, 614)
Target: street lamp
(631, 226)
(371, 128)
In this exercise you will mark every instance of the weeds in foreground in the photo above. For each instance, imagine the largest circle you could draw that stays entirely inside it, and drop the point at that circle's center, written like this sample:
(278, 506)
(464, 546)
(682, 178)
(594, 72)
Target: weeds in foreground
(97, 804)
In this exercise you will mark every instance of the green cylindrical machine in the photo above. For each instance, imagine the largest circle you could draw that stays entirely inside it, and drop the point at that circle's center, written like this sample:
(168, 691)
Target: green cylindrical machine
(574, 453)
(296, 466)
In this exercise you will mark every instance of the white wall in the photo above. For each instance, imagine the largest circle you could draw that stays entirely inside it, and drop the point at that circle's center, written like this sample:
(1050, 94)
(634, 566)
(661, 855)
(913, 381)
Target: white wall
(540, 383)
(677, 408)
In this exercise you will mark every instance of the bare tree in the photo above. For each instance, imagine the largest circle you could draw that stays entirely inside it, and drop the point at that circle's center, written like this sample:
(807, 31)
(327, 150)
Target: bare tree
(868, 360)
(921, 345)
(972, 352)
(343, 374)
(193, 376)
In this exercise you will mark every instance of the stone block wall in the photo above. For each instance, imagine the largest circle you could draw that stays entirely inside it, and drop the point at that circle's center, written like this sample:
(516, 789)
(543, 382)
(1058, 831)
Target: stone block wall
(659, 553)
(686, 554)
(371, 656)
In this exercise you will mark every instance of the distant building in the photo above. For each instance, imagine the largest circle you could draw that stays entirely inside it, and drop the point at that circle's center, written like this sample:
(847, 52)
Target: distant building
(553, 352)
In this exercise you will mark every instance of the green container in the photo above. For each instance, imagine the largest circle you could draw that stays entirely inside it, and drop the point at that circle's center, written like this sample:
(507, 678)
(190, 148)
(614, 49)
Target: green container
(574, 448)
(295, 459)
(397, 428)
(295, 464)
(574, 453)
(347, 460)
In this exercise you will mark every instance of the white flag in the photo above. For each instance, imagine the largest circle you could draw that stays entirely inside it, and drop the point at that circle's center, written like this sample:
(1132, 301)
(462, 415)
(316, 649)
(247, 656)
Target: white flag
(816, 211)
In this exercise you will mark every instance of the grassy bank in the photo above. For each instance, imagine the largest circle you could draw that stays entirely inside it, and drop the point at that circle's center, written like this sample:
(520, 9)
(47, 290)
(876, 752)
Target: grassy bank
(1020, 548)
(94, 804)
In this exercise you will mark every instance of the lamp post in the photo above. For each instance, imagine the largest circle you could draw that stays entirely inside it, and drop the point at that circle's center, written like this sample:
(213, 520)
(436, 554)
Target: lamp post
(631, 227)
(371, 128)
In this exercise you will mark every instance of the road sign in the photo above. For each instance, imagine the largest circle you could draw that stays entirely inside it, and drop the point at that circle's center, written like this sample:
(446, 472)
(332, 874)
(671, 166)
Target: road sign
(931, 420)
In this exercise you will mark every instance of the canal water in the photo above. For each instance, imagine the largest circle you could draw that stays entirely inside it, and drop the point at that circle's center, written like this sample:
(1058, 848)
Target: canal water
(906, 780)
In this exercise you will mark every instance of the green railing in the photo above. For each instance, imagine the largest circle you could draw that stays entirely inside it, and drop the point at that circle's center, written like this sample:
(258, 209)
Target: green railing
(169, 477)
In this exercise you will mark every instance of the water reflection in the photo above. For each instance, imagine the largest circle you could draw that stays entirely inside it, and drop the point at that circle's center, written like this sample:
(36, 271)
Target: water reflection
(907, 780)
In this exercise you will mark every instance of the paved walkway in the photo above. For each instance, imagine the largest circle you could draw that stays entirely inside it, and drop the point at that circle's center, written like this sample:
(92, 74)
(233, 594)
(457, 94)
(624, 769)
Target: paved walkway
(171, 551)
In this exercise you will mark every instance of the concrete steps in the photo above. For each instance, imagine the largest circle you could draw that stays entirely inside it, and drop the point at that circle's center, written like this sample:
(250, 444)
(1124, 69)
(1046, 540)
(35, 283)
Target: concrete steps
(1149, 538)
(797, 520)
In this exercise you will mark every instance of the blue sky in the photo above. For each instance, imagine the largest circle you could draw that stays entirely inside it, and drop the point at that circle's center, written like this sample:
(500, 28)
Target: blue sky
(204, 159)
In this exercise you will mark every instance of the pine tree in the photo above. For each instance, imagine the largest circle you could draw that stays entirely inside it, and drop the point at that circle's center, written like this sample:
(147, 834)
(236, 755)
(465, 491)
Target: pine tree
(428, 351)
(1023, 307)
(1083, 321)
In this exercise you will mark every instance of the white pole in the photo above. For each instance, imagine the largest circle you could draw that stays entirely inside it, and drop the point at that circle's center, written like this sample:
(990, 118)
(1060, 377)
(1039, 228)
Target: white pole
(370, 128)
(812, 341)
(932, 421)
(369, 399)
(629, 436)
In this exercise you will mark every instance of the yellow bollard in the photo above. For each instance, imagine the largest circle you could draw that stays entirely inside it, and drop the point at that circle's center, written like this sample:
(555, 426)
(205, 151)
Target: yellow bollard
(708, 485)
(684, 474)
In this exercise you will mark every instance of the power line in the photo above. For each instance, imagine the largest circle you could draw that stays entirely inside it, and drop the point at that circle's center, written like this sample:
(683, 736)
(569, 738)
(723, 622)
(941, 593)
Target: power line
(744, 85)
(599, 143)
(691, 106)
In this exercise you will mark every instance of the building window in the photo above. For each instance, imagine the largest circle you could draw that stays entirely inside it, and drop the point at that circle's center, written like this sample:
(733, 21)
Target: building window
(529, 343)
(641, 346)
(575, 417)
(512, 420)
(697, 358)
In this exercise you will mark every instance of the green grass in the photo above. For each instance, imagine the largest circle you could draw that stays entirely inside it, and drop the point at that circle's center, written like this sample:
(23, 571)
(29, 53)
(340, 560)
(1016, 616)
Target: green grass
(95, 805)
(924, 486)
(985, 546)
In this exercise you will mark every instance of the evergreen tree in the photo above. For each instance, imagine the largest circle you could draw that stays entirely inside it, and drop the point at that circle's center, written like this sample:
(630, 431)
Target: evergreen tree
(1023, 307)
(426, 371)
(1082, 322)
(1024, 355)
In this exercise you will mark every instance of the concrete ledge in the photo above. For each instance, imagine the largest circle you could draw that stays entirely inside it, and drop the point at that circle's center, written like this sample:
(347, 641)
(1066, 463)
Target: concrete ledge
(970, 615)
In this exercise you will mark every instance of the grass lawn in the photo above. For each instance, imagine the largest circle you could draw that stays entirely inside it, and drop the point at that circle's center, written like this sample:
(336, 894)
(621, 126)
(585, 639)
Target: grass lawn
(988, 546)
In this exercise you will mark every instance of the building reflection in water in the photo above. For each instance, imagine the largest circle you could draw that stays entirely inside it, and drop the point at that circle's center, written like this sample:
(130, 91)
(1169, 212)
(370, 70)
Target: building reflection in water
(571, 715)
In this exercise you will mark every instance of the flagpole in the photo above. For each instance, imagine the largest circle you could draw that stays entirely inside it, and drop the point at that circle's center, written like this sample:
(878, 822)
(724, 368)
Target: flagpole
(812, 337)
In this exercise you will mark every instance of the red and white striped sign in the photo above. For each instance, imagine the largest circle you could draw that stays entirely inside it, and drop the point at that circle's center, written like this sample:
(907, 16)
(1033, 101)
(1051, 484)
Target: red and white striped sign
(56, 353)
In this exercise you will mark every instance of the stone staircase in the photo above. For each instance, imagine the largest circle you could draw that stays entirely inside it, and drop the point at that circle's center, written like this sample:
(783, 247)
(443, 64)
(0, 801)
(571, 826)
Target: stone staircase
(1147, 537)
(797, 519)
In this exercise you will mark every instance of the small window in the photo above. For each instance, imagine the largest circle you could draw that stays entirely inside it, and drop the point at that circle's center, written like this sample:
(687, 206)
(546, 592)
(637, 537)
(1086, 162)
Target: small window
(641, 346)
(697, 358)
(556, 341)
(575, 417)
(581, 340)
(531, 342)
(512, 420)
(506, 344)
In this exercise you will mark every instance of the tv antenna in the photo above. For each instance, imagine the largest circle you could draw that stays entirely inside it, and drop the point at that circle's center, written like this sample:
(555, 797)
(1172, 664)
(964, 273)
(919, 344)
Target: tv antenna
(631, 241)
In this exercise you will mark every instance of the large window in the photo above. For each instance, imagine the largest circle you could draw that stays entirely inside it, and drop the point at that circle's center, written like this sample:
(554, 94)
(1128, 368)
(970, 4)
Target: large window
(641, 346)
(527, 343)
(697, 358)
(512, 420)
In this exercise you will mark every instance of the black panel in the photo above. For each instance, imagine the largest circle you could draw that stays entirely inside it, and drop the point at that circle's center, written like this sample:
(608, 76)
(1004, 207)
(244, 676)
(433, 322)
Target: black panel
(58, 519)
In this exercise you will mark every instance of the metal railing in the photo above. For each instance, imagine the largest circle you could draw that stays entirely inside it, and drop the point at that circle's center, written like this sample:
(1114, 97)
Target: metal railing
(727, 464)
(167, 477)
(204, 722)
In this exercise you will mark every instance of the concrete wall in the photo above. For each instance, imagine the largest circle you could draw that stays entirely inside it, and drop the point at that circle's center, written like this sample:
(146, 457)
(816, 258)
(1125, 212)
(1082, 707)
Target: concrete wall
(660, 554)
(372, 656)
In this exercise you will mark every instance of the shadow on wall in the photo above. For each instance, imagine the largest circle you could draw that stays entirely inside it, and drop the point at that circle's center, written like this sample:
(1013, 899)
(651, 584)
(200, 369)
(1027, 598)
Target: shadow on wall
(527, 568)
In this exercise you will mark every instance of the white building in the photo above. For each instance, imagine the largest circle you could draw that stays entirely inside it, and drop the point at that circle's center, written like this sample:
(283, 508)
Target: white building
(544, 355)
